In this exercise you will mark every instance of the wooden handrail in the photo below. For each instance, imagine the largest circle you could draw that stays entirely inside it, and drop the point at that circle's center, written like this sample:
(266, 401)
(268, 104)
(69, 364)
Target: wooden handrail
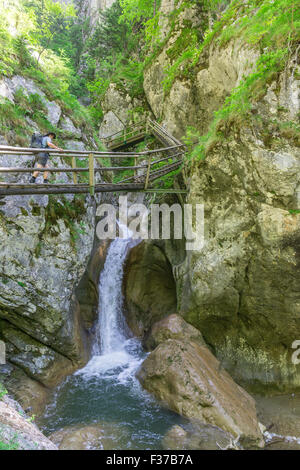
(5, 150)
(70, 170)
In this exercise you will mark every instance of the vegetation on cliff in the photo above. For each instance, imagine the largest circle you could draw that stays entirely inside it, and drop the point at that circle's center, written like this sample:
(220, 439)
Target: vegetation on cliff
(38, 41)
(132, 35)
(273, 27)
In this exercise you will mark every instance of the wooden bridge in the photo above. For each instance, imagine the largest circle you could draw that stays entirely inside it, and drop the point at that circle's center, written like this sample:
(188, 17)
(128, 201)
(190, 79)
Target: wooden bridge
(142, 170)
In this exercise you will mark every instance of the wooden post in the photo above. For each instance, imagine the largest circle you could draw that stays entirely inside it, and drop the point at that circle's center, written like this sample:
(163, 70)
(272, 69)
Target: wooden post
(148, 172)
(92, 174)
(75, 178)
(135, 164)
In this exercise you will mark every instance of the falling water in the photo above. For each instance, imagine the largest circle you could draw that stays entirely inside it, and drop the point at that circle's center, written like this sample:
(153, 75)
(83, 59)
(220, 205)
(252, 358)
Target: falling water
(110, 336)
(113, 348)
(106, 389)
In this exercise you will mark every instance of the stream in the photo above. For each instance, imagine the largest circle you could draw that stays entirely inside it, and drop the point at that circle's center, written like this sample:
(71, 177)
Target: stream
(105, 392)
(104, 403)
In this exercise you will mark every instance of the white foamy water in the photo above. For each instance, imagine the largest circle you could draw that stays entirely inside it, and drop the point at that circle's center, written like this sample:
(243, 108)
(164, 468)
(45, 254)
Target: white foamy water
(115, 355)
(269, 436)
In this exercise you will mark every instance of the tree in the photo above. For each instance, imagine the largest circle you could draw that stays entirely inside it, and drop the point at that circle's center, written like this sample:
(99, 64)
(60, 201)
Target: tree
(110, 37)
(138, 10)
(53, 22)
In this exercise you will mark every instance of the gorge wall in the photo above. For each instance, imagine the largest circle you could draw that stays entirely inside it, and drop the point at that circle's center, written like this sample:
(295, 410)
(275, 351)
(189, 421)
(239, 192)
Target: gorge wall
(46, 243)
(242, 289)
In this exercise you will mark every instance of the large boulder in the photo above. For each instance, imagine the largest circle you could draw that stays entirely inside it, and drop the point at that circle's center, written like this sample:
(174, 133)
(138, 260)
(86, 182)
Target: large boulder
(171, 327)
(242, 289)
(190, 380)
(195, 436)
(96, 436)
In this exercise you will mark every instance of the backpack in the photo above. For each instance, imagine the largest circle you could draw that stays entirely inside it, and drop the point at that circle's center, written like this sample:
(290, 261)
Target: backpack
(36, 141)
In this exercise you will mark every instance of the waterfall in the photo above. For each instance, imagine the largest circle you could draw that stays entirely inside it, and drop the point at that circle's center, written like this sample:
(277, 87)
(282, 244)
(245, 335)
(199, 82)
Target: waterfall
(111, 326)
(106, 392)
(114, 352)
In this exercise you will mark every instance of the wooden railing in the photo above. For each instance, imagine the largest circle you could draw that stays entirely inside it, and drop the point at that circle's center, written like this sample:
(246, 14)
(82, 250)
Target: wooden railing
(130, 134)
(171, 159)
(125, 136)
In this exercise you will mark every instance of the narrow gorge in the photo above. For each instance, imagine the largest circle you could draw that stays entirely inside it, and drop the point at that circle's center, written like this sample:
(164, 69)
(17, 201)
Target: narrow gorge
(134, 342)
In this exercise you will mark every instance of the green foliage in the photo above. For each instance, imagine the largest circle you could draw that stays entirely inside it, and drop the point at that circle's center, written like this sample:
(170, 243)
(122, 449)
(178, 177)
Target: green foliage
(53, 21)
(3, 391)
(272, 25)
(11, 445)
(269, 23)
(70, 212)
(111, 50)
(138, 10)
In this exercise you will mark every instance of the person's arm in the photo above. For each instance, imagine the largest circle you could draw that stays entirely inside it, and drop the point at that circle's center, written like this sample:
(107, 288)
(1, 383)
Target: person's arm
(50, 144)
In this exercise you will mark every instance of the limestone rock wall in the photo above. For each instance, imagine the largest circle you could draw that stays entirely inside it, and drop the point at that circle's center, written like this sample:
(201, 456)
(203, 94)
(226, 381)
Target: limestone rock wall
(242, 289)
(46, 243)
(120, 110)
(92, 8)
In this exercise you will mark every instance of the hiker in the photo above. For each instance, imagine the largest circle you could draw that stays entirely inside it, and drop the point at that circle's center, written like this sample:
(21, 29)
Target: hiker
(43, 157)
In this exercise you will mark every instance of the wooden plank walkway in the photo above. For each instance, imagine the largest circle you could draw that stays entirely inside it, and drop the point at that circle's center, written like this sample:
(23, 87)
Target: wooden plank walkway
(166, 160)
(40, 189)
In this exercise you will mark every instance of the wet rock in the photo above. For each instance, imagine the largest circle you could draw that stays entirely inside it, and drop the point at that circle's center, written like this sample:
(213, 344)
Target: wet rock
(190, 380)
(18, 432)
(87, 291)
(106, 436)
(195, 436)
(149, 287)
(171, 327)
(40, 265)
(38, 361)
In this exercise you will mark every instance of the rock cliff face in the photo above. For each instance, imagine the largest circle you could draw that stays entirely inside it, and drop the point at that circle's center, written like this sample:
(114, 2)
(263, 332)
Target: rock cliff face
(120, 110)
(242, 289)
(46, 243)
(92, 8)
(193, 98)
